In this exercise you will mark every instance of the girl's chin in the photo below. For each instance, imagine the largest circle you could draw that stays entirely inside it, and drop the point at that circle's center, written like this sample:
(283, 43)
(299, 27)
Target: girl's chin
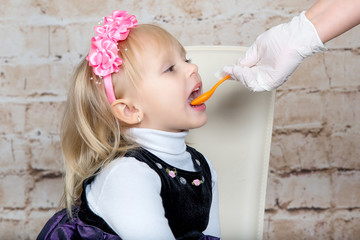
(200, 123)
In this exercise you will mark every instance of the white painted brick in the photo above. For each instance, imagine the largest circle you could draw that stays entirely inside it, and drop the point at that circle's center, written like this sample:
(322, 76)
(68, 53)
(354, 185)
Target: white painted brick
(45, 153)
(12, 118)
(19, 9)
(299, 226)
(74, 38)
(342, 109)
(311, 75)
(13, 214)
(6, 150)
(12, 81)
(344, 149)
(346, 187)
(272, 192)
(299, 151)
(346, 225)
(12, 154)
(14, 41)
(36, 222)
(47, 193)
(12, 230)
(24, 40)
(350, 39)
(44, 116)
(13, 191)
(298, 108)
(342, 68)
(35, 79)
(285, 5)
(312, 190)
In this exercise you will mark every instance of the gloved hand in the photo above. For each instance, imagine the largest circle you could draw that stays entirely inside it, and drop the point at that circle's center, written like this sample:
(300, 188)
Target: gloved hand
(276, 54)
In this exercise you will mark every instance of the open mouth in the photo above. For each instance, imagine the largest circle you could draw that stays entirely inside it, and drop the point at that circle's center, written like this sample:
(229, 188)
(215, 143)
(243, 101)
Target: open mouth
(195, 93)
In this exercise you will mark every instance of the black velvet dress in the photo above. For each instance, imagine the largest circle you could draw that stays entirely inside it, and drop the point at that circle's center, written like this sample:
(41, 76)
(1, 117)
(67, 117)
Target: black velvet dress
(186, 199)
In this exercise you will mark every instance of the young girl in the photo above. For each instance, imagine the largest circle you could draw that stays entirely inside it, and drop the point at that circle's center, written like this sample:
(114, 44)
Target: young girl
(129, 173)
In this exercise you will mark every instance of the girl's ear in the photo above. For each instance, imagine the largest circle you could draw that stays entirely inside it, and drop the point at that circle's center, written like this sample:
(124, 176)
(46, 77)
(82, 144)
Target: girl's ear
(126, 112)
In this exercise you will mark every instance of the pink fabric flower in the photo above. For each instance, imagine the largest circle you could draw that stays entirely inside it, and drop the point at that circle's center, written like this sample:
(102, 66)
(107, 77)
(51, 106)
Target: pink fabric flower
(116, 26)
(103, 55)
(197, 182)
(172, 173)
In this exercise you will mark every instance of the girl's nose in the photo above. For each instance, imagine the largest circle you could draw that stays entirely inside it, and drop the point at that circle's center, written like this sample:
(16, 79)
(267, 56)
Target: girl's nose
(193, 69)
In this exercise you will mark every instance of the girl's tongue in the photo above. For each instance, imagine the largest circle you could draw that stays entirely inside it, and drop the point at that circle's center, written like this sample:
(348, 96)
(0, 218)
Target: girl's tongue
(194, 95)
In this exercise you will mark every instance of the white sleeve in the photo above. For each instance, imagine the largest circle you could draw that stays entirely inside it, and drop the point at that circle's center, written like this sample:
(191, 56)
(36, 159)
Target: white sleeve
(127, 197)
(213, 228)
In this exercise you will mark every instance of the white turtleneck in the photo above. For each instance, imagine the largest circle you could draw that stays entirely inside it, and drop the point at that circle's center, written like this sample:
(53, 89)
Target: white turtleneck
(126, 194)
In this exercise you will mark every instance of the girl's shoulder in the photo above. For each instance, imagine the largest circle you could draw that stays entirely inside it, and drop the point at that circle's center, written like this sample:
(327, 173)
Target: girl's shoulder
(122, 168)
(122, 173)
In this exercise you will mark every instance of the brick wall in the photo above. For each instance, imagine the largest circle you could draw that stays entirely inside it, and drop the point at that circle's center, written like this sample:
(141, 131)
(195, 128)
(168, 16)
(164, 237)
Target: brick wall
(314, 176)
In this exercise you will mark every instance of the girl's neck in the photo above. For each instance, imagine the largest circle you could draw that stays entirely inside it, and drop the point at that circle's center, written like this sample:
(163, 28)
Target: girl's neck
(168, 146)
(160, 141)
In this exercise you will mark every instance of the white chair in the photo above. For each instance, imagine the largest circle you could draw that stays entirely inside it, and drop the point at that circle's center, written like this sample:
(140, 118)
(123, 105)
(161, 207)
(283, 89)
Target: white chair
(237, 140)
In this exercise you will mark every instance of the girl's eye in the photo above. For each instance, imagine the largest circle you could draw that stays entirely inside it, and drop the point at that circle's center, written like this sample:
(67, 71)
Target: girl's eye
(170, 69)
(188, 60)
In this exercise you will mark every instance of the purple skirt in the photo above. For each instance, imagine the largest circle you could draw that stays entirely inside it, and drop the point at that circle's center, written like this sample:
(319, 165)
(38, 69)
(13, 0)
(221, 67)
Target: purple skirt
(61, 227)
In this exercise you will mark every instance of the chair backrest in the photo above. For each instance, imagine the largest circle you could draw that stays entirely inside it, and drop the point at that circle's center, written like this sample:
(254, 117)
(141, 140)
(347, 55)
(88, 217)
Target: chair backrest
(236, 139)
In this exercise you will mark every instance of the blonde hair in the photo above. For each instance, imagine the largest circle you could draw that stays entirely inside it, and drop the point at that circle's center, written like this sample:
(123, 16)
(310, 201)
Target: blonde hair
(91, 136)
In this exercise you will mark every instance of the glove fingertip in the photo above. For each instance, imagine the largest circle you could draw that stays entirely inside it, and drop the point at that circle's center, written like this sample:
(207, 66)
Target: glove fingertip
(219, 74)
(227, 70)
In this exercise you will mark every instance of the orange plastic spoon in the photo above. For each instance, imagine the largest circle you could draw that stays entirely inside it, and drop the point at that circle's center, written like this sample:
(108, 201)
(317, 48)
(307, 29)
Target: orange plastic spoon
(205, 96)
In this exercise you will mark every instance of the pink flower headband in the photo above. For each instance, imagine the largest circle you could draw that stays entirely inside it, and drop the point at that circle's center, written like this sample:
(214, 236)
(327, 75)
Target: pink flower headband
(103, 56)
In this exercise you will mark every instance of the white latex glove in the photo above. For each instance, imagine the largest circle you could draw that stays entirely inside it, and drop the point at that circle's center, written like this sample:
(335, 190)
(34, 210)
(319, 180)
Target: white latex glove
(276, 54)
